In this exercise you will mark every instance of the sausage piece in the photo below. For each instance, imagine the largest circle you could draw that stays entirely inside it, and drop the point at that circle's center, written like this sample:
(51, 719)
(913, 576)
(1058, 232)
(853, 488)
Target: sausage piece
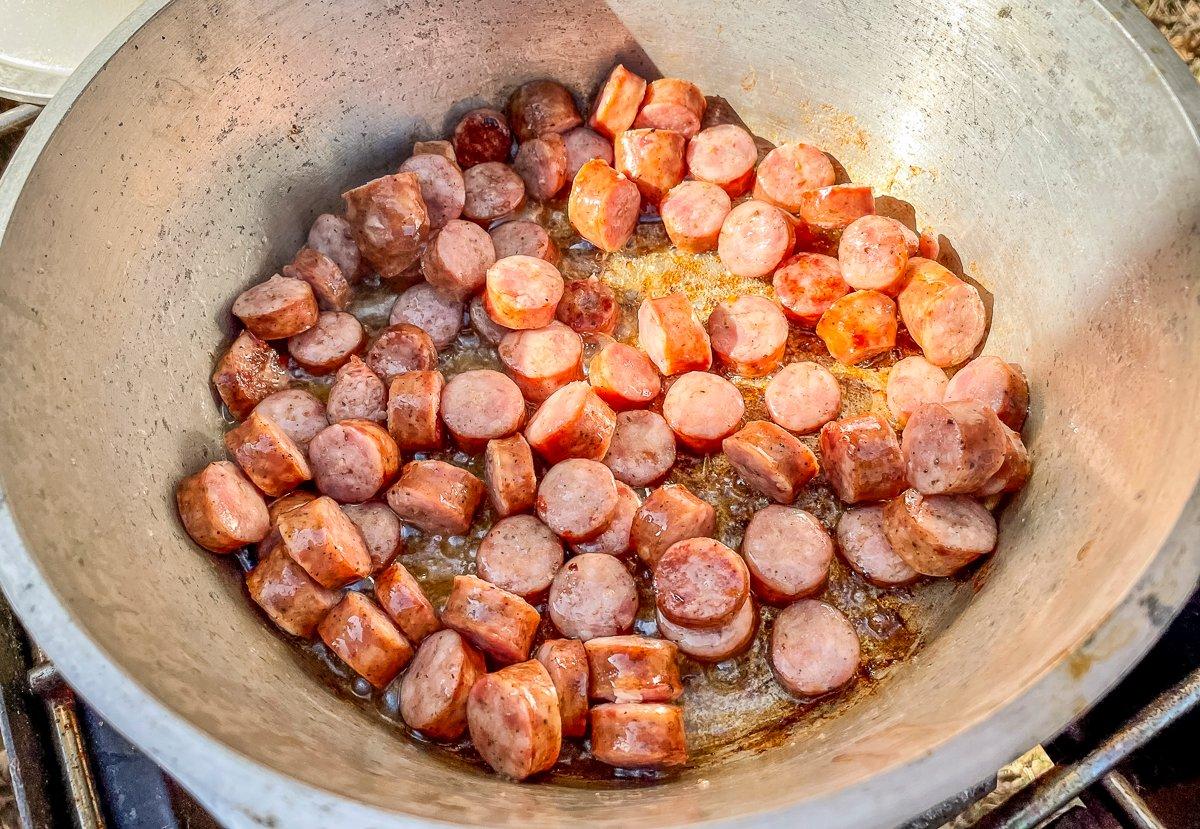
(457, 259)
(672, 104)
(414, 399)
(434, 690)
(380, 529)
(220, 510)
(623, 377)
(541, 107)
(803, 397)
(480, 405)
(567, 663)
(572, 423)
(771, 460)
(865, 547)
(1000, 386)
(814, 649)
(389, 221)
(652, 159)
(952, 448)
(634, 735)
(509, 475)
(938, 534)
(859, 326)
(247, 373)
(671, 336)
(332, 236)
(523, 292)
(789, 170)
(497, 622)
(724, 155)
(617, 102)
(588, 305)
(436, 497)
(670, 514)
(836, 206)
(642, 450)
(298, 413)
(577, 498)
(614, 538)
(324, 541)
(365, 639)
(443, 148)
(582, 145)
(633, 669)
(494, 191)
(603, 206)
(402, 597)
(357, 393)
(703, 409)
(522, 238)
(542, 164)
(519, 554)
(693, 213)
(749, 334)
(1014, 472)
(944, 314)
(873, 253)
(401, 348)
(754, 239)
(514, 720)
(912, 382)
(353, 459)
(277, 309)
(593, 595)
(927, 244)
(481, 136)
(442, 187)
(488, 330)
(329, 285)
(788, 554)
(713, 644)
(862, 459)
(542, 360)
(271, 460)
(288, 595)
(327, 346)
(807, 284)
(700, 583)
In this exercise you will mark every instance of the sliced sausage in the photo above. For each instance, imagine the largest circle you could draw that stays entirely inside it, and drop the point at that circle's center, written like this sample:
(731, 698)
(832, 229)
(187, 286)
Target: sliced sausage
(541, 107)
(271, 460)
(944, 314)
(329, 285)
(693, 213)
(521, 555)
(389, 222)
(873, 253)
(402, 597)
(603, 206)
(1000, 386)
(593, 595)
(327, 346)
(514, 720)
(298, 413)
(414, 400)
(542, 164)
(220, 509)
(771, 460)
(509, 475)
(836, 206)
(365, 639)
(670, 514)
(1014, 472)
(642, 450)
(488, 330)
(523, 292)
(807, 284)
(788, 554)
(357, 393)
(577, 498)
(567, 663)
(352, 460)
(789, 170)
(332, 236)
(434, 690)
(380, 529)
(671, 336)
(443, 148)
(288, 595)
(634, 735)
(912, 382)
(623, 377)
(481, 136)
(480, 405)
(457, 259)
(247, 373)
(938, 534)
(724, 155)
(277, 309)
(522, 238)
(713, 644)
(288, 502)
(703, 409)
(814, 649)
(672, 104)
(633, 669)
(865, 547)
(952, 448)
(803, 397)
(617, 102)
(494, 191)
(700, 583)
(436, 497)
(542, 360)
(749, 334)
(859, 326)
(324, 541)
(497, 622)
(582, 146)
(588, 305)
(927, 245)
(573, 423)
(754, 239)
(614, 538)
(442, 187)
(652, 159)
(400, 348)
(862, 459)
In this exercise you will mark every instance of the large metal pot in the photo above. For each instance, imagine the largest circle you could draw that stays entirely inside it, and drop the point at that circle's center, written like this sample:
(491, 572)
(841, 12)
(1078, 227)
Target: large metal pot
(1054, 143)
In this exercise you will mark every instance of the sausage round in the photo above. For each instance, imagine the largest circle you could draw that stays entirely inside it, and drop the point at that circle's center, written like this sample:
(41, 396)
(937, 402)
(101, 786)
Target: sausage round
(593, 595)
(588, 305)
(671, 336)
(789, 170)
(542, 164)
(436, 497)
(862, 459)
(480, 405)
(326, 346)
(672, 104)
(500, 624)
(859, 326)
(509, 475)
(277, 309)
(952, 448)
(642, 450)
(873, 253)
(703, 409)
(332, 236)
(357, 393)
(787, 553)
(724, 155)
(443, 148)
(442, 186)
(912, 382)
(582, 146)
(352, 460)
(927, 244)
(700, 583)
(713, 644)
(573, 423)
(457, 259)
(577, 498)
(749, 334)
(434, 690)
(523, 292)
(522, 238)
(514, 721)
(401, 596)
(803, 397)
(542, 360)
(603, 206)
(493, 191)
(836, 206)
(614, 538)
(771, 460)
(481, 136)
(807, 284)
(288, 595)
(633, 669)
(938, 534)
(298, 413)
(567, 663)
(271, 460)
(389, 222)
(944, 314)
(1000, 386)
(436, 313)
(540, 107)
(670, 514)
(365, 639)
(754, 239)
(412, 411)
(814, 649)
(617, 102)
(488, 329)
(633, 735)
(865, 547)
(400, 348)
(693, 213)
(521, 555)
(329, 285)
(220, 509)
(325, 542)
(652, 159)
(1014, 472)
(624, 377)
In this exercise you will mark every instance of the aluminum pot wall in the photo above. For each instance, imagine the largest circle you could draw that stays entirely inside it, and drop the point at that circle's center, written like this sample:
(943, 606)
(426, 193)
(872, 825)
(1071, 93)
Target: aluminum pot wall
(1054, 145)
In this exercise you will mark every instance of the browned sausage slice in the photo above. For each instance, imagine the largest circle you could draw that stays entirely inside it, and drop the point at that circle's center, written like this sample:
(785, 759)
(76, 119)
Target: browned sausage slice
(248, 372)
(487, 328)
(672, 336)
(481, 136)
(789, 170)
(514, 720)
(588, 305)
(389, 222)
(400, 348)
(859, 326)
(566, 662)
(500, 624)
(703, 409)
(521, 555)
(944, 314)
(353, 459)
(642, 450)
(542, 164)
(402, 597)
(603, 206)
(617, 102)
(803, 397)
(634, 735)
(522, 238)
(509, 475)
(573, 423)
(713, 644)
(577, 498)
(912, 382)
(329, 344)
(365, 638)
(614, 538)
(332, 236)
(442, 186)
(288, 595)
(873, 253)
(755, 238)
(865, 547)
(298, 413)
(927, 244)
(540, 107)
(862, 459)
(220, 510)
(443, 148)
(953, 448)
(693, 213)
(542, 360)
(672, 104)
(1000, 386)
(593, 595)
(788, 554)
(480, 405)
(380, 529)
(1014, 472)
(277, 309)
(272, 460)
(814, 649)
(329, 285)
(771, 460)
(324, 541)
(523, 292)
(652, 159)
(357, 393)
(412, 412)
(938, 534)
(633, 669)
(724, 155)
(457, 259)
(582, 146)
(624, 377)
(670, 514)
(749, 334)
(700, 583)
(436, 497)
(494, 191)
(836, 206)
(434, 690)
(807, 284)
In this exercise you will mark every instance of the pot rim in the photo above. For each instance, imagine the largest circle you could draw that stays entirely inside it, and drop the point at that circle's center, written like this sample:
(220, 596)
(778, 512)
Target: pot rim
(240, 791)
